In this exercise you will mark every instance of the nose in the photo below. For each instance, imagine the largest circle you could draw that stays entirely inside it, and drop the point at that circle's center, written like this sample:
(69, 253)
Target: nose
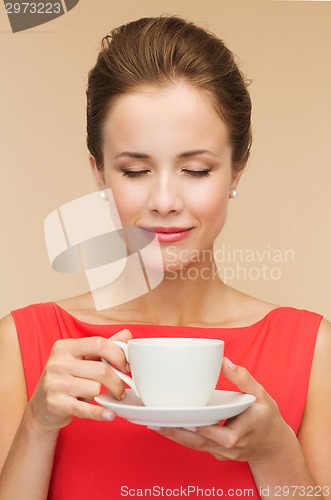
(165, 196)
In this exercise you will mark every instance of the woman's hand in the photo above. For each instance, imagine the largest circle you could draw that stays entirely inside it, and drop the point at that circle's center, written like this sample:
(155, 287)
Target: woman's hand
(72, 377)
(256, 435)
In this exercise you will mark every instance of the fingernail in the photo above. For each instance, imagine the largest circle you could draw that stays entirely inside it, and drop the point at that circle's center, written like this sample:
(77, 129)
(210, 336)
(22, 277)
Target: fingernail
(230, 364)
(123, 396)
(152, 428)
(191, 429)
(107, 415)
(127, 367)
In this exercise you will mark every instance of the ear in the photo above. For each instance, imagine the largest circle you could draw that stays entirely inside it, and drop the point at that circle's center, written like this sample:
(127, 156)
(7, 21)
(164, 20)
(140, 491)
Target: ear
(235, 179)
(238, 169)
(98, 172)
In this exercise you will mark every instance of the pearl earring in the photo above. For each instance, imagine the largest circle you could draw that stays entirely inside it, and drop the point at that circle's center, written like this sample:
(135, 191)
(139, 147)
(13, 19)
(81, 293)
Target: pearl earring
(103, 194)
(234, 193)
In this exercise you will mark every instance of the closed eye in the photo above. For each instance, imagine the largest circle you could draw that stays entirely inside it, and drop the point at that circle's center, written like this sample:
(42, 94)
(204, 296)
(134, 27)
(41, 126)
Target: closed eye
(133, 173)
(198, 173)
(138, 173)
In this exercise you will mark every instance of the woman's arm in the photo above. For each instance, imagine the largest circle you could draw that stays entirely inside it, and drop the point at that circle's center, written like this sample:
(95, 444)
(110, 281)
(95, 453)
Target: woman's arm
(30, 460)
(315, 430)
(29, 430)
(306, 462)
(27, 470)
(282, 464)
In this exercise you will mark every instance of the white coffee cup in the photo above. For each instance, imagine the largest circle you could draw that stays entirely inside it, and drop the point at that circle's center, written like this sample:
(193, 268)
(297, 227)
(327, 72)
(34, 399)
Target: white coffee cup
(172, 372)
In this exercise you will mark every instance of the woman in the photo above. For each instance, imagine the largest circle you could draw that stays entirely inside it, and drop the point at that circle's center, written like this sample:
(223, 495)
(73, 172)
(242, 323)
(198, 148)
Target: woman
(168, 122)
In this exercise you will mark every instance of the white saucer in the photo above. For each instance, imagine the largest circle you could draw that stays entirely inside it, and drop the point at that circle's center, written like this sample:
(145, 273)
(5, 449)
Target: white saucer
(222, 405)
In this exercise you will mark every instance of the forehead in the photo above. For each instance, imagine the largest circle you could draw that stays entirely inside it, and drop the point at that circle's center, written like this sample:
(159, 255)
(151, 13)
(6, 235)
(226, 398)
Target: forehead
(177, 117)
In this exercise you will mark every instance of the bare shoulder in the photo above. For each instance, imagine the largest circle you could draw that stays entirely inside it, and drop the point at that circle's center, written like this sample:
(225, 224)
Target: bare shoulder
(319, 384)
(83, 308)
(323, 342)
(314, 435)
(80, 306)
(10, 356)
(79, 302)
(243, 309)
(12, 385)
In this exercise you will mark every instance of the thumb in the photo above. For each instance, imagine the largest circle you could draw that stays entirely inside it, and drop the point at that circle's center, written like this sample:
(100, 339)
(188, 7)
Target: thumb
(241, 377)
(123, 335)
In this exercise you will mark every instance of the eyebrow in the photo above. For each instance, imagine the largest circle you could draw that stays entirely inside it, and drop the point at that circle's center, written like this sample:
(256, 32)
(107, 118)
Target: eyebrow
(186, 154)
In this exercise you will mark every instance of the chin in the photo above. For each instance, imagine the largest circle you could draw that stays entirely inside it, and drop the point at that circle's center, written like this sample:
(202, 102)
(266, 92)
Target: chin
(176, 267)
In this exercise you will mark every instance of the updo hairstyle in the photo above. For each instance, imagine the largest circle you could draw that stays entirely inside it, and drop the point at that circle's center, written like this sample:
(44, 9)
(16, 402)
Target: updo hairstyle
(161, 51)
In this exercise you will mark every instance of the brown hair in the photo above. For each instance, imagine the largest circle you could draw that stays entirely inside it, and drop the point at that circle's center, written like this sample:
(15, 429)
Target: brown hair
(160, 51)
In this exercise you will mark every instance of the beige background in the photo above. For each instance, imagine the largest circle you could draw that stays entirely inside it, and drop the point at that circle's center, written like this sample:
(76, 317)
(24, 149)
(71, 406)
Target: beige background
(284, 202)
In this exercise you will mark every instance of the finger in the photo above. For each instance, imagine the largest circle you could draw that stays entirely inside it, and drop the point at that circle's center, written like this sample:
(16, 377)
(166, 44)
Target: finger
(183, 436)
(226, 437)
(92, 347)
(95, 348)
(72, 387)
(241, 377)
(123, 335)
(100, 372)
(196, 440)
(84, 410)
(117, 358)
(225, 443)
(83, 388)
(81, 348)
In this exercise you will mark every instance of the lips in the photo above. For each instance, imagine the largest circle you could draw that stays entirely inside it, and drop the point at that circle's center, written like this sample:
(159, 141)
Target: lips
(167, 234)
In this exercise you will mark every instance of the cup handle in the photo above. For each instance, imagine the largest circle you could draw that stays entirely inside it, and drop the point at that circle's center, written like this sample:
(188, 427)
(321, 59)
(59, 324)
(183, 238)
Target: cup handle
(128, 380)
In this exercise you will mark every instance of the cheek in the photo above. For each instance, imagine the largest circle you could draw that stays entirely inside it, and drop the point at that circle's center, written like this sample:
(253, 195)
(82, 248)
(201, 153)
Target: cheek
(128, 199)
(128, 212)
(211, 203)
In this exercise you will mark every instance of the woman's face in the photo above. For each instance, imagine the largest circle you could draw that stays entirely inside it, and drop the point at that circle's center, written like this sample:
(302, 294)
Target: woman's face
(167, 160)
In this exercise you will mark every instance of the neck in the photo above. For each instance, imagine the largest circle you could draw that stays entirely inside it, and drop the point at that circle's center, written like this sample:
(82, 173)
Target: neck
(192, 296)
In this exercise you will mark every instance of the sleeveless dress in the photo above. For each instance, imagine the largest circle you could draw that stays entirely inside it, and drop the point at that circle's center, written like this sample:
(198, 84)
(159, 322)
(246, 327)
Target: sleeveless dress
(113, 460)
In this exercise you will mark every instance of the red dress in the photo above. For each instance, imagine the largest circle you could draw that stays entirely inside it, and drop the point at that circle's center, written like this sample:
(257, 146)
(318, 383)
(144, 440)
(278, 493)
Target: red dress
(114, 460)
